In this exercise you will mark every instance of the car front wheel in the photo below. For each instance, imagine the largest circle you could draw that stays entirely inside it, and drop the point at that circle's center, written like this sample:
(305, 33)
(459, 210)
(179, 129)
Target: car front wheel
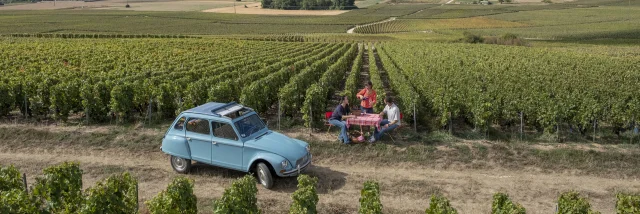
(180, 165)
(264, 175)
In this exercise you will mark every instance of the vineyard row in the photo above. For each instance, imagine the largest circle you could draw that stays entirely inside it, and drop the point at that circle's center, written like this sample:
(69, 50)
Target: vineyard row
(484, 85)
(496, 85)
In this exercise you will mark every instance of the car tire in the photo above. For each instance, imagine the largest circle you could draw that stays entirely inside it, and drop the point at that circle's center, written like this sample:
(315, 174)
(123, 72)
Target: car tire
(264, 175)
(180, 165)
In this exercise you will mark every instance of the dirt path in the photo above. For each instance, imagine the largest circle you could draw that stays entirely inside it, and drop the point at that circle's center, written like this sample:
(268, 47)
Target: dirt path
(364, 71)
(405, 188)
(383, 75)
(380, 22)
(337, 95)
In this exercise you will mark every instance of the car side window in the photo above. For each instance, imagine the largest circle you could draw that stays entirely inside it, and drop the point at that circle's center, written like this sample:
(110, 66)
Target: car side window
(197, 125)
(180, 124)
(223, 130)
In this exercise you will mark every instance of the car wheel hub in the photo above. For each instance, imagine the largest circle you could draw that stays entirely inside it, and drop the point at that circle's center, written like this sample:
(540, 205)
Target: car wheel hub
(178, 163)
(262, 177)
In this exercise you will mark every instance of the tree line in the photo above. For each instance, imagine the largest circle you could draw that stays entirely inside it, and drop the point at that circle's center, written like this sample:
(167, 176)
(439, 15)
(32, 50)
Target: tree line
(309, 4)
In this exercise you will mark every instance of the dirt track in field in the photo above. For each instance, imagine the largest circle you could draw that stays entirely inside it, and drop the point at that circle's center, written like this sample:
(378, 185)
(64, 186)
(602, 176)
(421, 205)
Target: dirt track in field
(405, 189)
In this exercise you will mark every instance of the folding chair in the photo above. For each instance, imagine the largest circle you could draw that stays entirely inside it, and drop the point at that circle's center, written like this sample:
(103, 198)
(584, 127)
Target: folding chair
(328, 115)
(393, 132)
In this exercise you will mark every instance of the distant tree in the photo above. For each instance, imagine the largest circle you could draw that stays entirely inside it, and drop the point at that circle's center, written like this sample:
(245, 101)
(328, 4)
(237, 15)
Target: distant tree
(351, 3)
(267, 4)
(308, 4)
(277, 4)
(336, 5)
(471, 38)
(305, 5)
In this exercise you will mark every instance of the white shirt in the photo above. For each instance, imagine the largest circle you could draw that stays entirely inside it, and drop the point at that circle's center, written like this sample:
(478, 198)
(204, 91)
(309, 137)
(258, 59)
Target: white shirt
(393, 113)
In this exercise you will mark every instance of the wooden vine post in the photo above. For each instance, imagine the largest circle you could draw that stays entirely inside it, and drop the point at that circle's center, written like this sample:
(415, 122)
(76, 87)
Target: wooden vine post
(415, 126)
(310, 119)
(149, 109)
(86, 110)
(450, 124)
(521, 126)
(595, 124)
(24, 181)
(25, 104)
(558, 130)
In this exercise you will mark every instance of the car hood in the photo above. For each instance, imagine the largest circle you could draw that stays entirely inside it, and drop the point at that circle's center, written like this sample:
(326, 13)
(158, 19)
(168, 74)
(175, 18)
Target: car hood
(280, 144)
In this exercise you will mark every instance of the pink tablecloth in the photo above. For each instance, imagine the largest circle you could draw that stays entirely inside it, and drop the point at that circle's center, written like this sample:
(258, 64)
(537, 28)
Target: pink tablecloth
(365, 120)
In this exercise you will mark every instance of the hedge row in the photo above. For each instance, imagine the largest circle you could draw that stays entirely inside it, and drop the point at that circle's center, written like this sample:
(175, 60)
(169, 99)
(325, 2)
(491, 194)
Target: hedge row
(59, 191)
(94, 36)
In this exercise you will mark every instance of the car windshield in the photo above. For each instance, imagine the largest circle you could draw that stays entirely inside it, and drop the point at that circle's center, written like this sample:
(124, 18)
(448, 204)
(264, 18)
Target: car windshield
(249, 125)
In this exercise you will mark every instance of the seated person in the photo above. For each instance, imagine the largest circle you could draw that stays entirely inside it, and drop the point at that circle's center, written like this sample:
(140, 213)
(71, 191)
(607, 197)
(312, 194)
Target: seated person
(392, 121)
(339, 114)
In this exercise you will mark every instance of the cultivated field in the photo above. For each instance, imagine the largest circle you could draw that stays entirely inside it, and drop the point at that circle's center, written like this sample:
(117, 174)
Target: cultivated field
(120, 5)
(255, 8)
(528, 99)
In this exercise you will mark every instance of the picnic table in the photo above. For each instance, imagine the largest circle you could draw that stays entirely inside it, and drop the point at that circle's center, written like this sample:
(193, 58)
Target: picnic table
(365, 120)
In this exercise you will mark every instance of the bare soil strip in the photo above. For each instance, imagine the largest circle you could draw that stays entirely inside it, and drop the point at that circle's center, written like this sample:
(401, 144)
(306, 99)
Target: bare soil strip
(406, 186)
(383, 75)
(405, 189)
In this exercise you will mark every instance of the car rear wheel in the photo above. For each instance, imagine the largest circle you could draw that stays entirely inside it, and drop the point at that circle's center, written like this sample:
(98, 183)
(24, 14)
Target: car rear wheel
(180, 165)
(264, 175)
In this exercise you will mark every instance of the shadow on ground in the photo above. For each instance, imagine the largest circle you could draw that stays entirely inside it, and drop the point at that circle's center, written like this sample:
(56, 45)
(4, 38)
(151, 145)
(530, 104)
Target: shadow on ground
(328, 179)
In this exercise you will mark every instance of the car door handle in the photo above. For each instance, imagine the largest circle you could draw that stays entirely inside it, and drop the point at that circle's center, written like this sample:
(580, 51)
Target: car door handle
(188, 139)
(214, 143)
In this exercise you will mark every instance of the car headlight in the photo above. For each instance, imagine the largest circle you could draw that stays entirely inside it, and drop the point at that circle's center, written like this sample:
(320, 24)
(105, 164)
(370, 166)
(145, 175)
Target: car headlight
(284, 164)
(308, 148)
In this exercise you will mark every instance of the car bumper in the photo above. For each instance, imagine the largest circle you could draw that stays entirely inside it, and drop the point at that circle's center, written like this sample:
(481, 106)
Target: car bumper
(298, 169)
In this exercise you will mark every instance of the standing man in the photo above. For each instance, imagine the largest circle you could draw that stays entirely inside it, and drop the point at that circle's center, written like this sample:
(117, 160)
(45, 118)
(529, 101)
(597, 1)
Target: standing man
(368, 97)
(392, 121)
(339, 114)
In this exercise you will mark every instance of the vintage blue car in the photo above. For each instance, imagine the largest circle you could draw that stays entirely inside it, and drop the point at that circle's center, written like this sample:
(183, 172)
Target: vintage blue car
(235, 137)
